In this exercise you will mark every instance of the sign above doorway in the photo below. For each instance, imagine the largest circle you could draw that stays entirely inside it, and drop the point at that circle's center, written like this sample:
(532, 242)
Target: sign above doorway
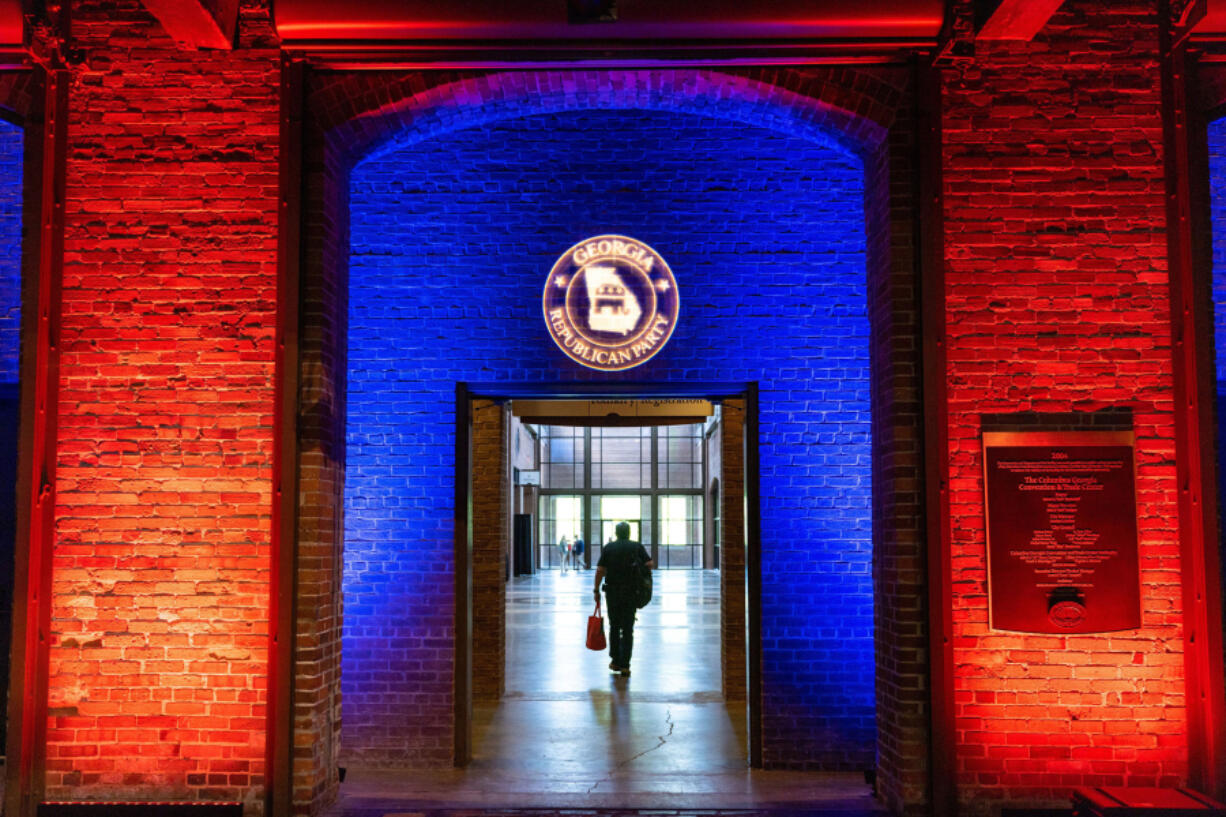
(633, 412)
(611, 303)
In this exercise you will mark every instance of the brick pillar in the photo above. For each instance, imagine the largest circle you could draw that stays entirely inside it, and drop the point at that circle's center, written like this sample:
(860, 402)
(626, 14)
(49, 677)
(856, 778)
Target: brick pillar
(900, 613)
(732, 551)
(164, 484)
(1058, 301)
(491, 497)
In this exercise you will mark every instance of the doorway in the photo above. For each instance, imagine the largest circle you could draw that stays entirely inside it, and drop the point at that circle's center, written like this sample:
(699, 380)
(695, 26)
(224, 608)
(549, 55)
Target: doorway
(818, 694)
(579, 697)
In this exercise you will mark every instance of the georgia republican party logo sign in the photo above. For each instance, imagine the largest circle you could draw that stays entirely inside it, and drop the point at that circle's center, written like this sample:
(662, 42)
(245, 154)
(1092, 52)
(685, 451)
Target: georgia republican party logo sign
(611, 302)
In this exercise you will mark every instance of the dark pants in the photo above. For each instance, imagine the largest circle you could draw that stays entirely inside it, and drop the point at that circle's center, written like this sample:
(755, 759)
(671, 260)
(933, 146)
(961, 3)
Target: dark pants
(621, 628)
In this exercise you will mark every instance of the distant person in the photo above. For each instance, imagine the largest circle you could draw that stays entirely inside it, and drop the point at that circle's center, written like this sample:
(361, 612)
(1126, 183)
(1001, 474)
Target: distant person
(564, 551)
(618, 565)
(576, 552)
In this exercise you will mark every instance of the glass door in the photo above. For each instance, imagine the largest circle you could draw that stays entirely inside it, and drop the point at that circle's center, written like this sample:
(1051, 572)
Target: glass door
(561, 519)
(680, 532)
(608, 510)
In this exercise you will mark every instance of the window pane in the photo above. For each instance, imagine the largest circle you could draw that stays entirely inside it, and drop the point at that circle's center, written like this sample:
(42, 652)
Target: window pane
(682, 449)
(681, 531)
(619, 450)
(645, 510)
(648, 476)
(680, 477)
(679, 453)
(562, 476)
(559, 516)
(561, 457)
(562, 449)
(620, 476)
(623, 507)
(614, 509)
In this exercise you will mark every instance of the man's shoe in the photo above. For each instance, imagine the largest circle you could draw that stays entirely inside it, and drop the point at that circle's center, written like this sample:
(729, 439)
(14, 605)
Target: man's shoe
(624, 671)
(614, 667)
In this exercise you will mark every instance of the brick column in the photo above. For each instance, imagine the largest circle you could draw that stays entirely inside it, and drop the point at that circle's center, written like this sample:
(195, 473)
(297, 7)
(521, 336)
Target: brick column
(1058, 301)
(161, 572)
(491, 497)
(732, 550)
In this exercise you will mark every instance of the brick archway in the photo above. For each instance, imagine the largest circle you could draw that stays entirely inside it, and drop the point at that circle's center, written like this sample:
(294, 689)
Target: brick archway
(352, 116)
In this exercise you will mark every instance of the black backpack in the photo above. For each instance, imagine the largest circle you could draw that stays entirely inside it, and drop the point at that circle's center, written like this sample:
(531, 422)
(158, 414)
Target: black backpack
(642, 584)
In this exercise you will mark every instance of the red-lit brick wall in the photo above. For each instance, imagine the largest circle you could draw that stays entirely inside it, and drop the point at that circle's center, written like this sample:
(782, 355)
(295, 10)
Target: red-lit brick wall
(1058, 302)
(161, 555)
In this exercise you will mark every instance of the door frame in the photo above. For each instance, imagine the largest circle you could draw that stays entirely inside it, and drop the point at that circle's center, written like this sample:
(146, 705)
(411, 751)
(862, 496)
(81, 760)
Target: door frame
(466, 392)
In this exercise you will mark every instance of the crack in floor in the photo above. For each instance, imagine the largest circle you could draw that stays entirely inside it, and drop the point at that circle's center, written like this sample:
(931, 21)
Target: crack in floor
(668, 719)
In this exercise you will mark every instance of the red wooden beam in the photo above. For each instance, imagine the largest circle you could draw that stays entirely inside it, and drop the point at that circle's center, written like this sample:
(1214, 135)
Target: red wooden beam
(1018, 19)
(1190, 263)
(42, 271)
(278, 799)
(12, 23)
(319, 21)
(930, 237)
(197, 23)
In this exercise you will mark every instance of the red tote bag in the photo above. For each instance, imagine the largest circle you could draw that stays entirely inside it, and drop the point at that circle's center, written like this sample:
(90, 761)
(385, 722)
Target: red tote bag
(595, 629)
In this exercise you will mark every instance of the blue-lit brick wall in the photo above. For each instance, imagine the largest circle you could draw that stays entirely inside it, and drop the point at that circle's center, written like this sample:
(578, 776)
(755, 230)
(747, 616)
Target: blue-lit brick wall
(1217, 193)
(451, 239)
(10, 349)
(10, 249)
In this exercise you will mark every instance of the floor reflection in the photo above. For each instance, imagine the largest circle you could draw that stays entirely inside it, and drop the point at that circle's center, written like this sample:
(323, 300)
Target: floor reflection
(565, 711)
(547, 621)
(568, 733)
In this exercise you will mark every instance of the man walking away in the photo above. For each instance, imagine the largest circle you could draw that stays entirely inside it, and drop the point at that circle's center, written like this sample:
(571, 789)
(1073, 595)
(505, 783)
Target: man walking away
(617, 566)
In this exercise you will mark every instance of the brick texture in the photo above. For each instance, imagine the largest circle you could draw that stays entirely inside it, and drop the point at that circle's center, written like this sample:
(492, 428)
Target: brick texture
(1057, 302)
(792, 225)
(161, 556)
(900, 583)
(373, 116)
(732, 644)
(1217, 188)
(430, 219)
(164, 371)
(491, 497)
(12, 155)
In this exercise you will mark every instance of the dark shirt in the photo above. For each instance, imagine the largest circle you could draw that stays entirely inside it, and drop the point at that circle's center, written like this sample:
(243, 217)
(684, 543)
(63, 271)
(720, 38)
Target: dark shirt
(618, 558)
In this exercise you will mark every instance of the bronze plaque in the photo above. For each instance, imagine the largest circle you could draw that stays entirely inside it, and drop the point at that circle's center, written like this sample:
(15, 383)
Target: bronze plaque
(1062, 532)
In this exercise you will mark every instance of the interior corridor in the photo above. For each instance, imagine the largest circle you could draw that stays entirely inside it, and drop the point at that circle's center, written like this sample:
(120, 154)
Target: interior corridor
(568, 733)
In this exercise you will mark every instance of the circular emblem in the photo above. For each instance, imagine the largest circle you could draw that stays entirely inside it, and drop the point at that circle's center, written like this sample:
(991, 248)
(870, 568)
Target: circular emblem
(611, 302)
(1067, 614)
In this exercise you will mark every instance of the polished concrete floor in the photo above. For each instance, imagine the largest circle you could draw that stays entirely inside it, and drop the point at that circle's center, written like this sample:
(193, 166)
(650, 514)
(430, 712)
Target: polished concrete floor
(569, 734)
